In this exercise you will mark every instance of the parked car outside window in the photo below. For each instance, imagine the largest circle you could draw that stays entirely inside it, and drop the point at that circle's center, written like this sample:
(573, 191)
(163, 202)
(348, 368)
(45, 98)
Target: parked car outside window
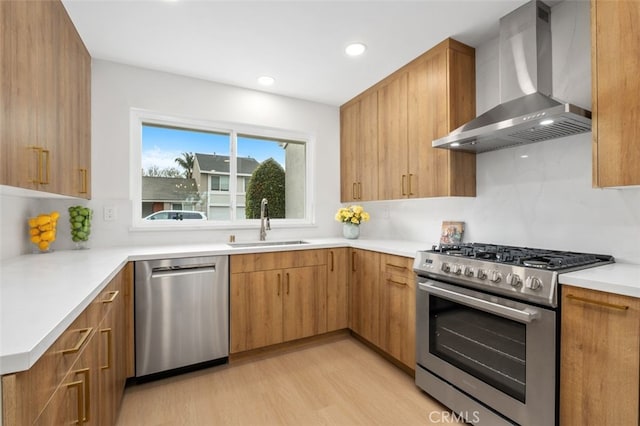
(176, 215)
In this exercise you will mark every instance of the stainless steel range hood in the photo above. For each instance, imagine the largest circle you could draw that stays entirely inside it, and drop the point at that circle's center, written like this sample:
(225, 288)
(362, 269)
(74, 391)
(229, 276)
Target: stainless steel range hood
(527, 112)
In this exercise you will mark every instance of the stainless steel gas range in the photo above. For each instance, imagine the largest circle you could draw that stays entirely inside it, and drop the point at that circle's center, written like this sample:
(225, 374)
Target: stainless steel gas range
(487, 329)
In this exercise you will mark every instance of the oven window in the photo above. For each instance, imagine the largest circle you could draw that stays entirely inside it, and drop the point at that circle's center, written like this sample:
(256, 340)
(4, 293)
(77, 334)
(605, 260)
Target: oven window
(487, 346)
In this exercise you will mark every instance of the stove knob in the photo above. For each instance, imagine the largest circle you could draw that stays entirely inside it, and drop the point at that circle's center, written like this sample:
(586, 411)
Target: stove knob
(534, 283)
(482, 274)
(457, 269)
(496, 277)
(514, 280)
(468, 271)
(445, 267)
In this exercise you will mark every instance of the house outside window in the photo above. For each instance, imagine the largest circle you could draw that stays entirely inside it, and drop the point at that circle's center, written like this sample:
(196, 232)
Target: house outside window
(220, 171)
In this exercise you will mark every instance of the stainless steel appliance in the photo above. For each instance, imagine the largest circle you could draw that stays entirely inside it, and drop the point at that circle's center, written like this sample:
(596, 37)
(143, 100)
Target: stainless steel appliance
(487, 329)
(181, 313)
(527, 111)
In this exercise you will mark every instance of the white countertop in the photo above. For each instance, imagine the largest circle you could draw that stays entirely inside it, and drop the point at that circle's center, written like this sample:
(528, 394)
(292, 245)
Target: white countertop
(42, 294)
(618, 278)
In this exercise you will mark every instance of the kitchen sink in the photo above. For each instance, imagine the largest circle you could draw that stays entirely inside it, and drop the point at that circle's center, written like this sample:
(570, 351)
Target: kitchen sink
(267, 243)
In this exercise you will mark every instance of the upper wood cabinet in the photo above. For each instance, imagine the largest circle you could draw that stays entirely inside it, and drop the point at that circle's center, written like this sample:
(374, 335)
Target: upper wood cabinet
(615, 56)
(599, 358)
(424, 100)
(45, 119)
(359, 149)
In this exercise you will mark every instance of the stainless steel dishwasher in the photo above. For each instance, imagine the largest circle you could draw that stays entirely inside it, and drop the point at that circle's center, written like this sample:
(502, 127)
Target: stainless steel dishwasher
(181, 314)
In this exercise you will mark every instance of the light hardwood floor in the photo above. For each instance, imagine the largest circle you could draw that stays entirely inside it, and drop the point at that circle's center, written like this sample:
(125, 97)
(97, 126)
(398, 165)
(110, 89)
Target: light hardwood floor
(338, 382)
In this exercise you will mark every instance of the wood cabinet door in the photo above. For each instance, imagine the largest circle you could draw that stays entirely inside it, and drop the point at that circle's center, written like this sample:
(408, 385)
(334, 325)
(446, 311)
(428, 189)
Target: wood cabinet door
(108, 367)
(256, 309)
(365, 294)
(615, 53)
(398, 308)
(338, 289)
(367, 162)
(305, 302)
(349, 119)
(393, 177)
(441, 89)
(599, 358)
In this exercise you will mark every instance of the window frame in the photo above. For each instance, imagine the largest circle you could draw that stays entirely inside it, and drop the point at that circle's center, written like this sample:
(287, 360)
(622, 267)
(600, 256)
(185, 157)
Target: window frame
(140, 117)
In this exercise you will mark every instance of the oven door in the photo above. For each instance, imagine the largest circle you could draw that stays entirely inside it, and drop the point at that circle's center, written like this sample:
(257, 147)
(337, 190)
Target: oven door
(500, 352)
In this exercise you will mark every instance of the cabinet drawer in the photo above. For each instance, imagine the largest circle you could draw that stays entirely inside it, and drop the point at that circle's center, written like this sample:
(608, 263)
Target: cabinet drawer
(397, 265)
(277, 260)
(37, 384)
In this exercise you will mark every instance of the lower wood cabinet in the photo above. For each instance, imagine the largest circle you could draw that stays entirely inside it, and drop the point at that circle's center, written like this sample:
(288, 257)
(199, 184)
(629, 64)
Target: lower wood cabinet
(600, 358)
(398, 308)
(277, 297)
(338, 289)
(365, 294)
(80, 379)
(383, 303)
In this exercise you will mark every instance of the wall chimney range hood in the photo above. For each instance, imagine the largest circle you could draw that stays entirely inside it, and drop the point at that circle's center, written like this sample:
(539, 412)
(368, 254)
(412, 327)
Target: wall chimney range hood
(527, 113)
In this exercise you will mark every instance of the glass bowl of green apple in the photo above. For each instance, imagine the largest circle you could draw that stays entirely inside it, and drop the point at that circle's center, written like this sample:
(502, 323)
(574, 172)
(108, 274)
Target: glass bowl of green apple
(80, 224)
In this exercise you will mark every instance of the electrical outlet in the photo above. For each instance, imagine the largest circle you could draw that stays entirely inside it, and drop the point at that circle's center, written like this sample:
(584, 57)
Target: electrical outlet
(110, 213)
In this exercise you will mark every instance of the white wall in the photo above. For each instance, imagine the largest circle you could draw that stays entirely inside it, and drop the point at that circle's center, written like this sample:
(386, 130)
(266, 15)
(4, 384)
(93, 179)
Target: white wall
(545, 200)
(115, 89)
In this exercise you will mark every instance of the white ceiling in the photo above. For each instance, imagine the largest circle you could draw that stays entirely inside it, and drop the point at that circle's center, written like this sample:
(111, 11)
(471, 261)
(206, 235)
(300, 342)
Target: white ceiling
(299, 43)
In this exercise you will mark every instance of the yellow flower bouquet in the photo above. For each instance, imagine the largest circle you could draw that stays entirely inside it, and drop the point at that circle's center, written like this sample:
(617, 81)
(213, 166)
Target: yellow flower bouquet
(353, 214)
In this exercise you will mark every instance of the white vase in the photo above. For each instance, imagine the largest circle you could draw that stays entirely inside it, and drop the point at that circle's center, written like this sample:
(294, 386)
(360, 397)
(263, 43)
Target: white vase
(351, 231)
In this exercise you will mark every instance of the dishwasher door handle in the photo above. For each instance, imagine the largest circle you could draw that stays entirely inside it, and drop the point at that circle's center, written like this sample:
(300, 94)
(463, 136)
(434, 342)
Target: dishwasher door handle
(182, 270)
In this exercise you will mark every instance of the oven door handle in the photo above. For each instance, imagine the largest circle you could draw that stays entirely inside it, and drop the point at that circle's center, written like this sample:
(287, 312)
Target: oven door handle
(526, 315)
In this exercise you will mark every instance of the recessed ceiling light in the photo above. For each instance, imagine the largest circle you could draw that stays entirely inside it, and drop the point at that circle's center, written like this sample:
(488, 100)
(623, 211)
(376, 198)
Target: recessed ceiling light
(265, 80)
(355, 49)
(546, 122)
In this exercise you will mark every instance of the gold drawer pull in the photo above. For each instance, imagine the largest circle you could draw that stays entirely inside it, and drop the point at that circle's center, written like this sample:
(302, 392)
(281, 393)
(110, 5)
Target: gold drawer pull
(87, 393)
(109, 334)
(86, 332)
(597, 302)
(78, 386)
(114, 294)
(396, 282)
(397, 266)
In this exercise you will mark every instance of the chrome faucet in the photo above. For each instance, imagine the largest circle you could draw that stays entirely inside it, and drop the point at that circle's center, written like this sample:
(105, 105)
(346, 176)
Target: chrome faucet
(264, 215)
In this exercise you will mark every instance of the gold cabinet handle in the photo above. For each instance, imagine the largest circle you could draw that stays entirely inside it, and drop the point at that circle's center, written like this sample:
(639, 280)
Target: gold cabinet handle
(354, 190)
(410, 191)
(288, 282)
(38, 172)
(359, 190)
(403, 268)
(353, 261)
(86, 384)
(401, 284)
(331, 261)
(109, 334)
(47, 168)
(83, 181)
(85, 332)
(78, 386)
(279, 284)
(114, 294)
(404, 182)
(597, 302)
